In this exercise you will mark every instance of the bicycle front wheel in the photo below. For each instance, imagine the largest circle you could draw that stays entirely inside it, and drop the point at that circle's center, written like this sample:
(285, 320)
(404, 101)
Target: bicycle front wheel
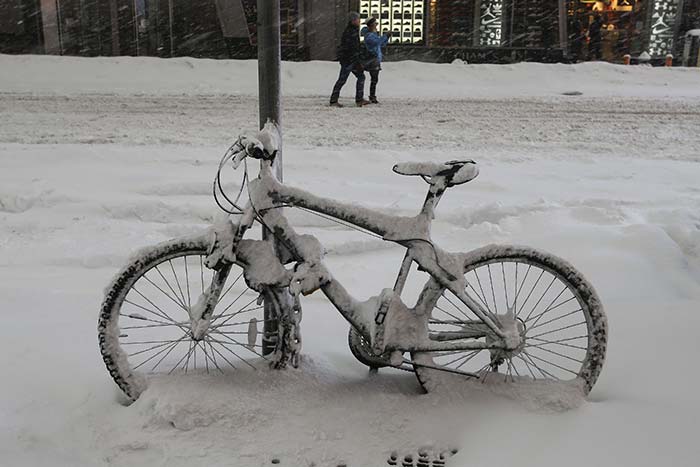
(144, 324)
(561, 318)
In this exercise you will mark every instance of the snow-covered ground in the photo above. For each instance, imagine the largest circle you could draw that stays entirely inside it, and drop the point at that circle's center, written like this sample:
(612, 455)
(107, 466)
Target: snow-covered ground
(100, 157)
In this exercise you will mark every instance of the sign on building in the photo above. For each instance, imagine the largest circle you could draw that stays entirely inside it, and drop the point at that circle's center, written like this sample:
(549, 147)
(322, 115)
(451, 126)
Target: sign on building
(663, 27)
(490, 23)
(403, 18)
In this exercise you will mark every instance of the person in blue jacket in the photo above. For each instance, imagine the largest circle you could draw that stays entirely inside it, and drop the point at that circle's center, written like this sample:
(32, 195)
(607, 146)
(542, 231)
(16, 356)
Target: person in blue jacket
(373, 64)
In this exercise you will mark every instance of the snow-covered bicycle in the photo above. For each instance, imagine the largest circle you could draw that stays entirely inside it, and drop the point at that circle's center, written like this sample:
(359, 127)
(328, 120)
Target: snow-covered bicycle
(220, 301)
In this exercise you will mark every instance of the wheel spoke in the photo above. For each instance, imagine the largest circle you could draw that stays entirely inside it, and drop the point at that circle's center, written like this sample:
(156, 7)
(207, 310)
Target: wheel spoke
(177, 302)
(505, 288)
(143, 318)
(560, 329)
(225, 346)
(556, 353)
(556, 319)
(167, 282)
(158, 346)
(544, 372)
(178, 325)
(554, 278)
(235, 300)
(187, 282)
(164, 356)
(476, 352)
(560, 342)
(522, 284)
(553, 364)
(164, 315)
(220, 354)
(239, 312)
(194, 355)
(532, 290)
(206, 356)
(177, 281)
(213, 356)
(493, 293)
(157, 353)
(449, 314)
(548, 308)
(509, 372)
(223, 323)
(186, 355)
(148, 342)
(528, 366)
(479, 296)
(515, 369)
(229, 288)
(141, 307)
(455, 307)
(485, 370)
(478, 281)
(241, 323)
(192, 351)
(553, 308)
(246, 346)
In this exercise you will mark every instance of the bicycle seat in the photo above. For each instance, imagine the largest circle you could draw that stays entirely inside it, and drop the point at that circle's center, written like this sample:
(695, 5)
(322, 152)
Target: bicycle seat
(451, 173)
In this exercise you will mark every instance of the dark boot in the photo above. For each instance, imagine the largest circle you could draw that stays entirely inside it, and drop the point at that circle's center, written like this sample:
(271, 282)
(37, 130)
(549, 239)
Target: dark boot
(362, 103)
(337, 104)
(373, 100)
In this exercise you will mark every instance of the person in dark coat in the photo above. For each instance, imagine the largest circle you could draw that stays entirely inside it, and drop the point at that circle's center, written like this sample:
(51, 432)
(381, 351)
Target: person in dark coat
(577, 37)
(350, 62)
(596, 38)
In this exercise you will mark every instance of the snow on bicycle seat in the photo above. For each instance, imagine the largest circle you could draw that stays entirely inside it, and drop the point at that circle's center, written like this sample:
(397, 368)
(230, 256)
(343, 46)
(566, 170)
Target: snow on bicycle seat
(452, 172)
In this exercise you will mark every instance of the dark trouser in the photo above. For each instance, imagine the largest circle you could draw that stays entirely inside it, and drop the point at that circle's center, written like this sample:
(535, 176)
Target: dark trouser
(345, 71)
(374, 79)
(595, 50)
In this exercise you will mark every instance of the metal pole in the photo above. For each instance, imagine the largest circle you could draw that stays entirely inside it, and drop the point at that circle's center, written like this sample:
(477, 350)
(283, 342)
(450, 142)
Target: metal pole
(114, 22)
(270, 108)
(269, 64)
(136, 26)
(563, 27)
(170, 25)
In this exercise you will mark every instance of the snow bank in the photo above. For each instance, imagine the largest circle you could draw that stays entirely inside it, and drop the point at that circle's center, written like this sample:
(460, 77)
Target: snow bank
(189, 76)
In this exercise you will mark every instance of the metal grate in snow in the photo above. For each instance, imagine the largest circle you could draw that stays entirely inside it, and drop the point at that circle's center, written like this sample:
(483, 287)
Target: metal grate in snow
(421, 459)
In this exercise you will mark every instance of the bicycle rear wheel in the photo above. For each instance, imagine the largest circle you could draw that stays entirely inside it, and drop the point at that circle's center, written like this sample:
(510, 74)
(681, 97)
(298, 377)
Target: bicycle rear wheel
(561, 317)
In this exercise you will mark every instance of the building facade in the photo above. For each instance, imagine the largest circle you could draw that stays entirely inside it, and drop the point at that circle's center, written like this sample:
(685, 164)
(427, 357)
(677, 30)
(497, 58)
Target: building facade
(433, 30)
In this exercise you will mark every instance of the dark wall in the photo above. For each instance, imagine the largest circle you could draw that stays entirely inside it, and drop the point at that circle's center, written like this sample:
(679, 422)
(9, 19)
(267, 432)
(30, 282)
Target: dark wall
(20, 27)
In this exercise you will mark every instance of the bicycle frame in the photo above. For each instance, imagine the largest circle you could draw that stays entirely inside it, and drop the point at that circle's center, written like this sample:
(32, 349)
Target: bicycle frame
(268, 195)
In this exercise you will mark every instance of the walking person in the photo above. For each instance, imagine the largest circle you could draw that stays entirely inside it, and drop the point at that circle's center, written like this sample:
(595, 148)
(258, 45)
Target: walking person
(374, 43)
(596, 38)
(350, 62)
